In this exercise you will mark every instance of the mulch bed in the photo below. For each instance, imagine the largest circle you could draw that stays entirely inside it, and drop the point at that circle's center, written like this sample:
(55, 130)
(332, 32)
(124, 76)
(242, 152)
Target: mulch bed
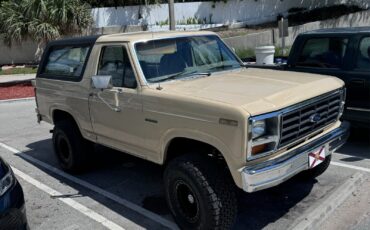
(21, 90)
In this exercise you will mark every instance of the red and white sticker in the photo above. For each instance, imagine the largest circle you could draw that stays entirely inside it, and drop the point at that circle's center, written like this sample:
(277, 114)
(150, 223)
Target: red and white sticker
(316, 157)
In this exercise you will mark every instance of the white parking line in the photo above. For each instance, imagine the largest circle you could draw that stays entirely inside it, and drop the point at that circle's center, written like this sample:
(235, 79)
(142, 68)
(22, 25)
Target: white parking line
(350, 166)
(72, 203)
(111, 196)
(347, 155)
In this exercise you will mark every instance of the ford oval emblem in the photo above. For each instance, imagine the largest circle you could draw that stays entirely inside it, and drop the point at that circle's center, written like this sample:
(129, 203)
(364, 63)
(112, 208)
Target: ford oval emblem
(315, 118)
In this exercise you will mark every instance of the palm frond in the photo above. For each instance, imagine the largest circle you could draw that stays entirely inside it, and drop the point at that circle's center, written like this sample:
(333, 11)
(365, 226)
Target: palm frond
(42, 20)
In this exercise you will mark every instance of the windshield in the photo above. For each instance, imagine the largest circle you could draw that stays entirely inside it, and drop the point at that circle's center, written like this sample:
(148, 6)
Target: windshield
(176, 58)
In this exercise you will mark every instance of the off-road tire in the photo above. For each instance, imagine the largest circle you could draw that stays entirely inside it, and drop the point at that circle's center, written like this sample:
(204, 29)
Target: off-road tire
(212, 189)
(70, 147)
(318, 170)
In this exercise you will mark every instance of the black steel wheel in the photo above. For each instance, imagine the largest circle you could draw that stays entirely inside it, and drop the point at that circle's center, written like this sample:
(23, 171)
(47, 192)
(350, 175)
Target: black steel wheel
(70, 147)
(200, 193)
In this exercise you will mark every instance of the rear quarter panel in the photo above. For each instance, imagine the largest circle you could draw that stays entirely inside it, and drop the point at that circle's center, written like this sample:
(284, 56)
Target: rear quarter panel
(66, 95)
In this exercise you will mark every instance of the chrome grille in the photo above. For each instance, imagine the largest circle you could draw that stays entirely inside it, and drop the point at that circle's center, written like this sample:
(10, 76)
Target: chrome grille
(307, 119)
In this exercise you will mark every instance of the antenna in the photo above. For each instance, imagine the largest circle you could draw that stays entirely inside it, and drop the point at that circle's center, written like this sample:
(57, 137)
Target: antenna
(159, 87)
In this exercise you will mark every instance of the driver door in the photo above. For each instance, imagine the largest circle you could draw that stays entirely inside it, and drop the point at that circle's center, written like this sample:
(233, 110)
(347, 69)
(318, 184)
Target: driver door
(116, 113)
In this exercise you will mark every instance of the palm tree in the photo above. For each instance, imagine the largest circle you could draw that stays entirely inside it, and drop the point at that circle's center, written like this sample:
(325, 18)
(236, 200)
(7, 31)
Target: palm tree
(42, 20)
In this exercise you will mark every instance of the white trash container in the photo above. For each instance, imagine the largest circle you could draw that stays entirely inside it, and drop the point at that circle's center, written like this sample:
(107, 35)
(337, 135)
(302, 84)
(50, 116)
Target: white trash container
(265, 55)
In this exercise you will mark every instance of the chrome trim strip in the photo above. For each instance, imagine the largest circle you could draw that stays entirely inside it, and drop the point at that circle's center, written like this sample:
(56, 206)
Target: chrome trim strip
(265, 140)
(358, 109)
(183, 116)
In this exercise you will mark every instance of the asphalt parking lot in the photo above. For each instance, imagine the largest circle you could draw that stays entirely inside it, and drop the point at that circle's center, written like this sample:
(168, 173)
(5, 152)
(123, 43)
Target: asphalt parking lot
(124, 192)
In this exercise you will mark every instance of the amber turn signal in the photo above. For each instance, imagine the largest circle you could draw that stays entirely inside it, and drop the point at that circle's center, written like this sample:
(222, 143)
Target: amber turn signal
(259, 149)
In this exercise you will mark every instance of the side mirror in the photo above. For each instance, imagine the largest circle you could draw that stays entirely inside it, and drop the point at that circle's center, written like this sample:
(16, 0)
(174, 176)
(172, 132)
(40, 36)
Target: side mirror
(102, 82)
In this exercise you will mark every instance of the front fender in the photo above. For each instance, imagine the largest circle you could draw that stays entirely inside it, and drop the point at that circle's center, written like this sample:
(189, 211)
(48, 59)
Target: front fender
(232, 163)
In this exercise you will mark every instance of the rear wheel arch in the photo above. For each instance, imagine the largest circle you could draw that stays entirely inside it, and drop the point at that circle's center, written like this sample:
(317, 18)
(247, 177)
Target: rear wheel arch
(59, 115)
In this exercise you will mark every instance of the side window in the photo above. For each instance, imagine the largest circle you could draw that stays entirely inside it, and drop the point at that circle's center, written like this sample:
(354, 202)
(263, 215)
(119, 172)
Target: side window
(66, 61)
(363, 57)
(323, 52)
(114, 61)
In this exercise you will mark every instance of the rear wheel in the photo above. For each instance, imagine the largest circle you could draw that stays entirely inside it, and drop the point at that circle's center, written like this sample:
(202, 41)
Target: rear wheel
(200, 193)
(70, 147)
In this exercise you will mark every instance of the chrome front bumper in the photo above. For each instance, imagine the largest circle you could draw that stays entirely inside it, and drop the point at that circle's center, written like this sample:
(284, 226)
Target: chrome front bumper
(274, 172)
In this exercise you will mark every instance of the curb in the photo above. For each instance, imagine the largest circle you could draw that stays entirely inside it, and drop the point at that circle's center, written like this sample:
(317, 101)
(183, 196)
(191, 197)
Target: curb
(17, 100)
(315, 216)
(15, 82)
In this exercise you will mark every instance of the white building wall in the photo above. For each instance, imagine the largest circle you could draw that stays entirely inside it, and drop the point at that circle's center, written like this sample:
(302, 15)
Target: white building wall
(250, 11)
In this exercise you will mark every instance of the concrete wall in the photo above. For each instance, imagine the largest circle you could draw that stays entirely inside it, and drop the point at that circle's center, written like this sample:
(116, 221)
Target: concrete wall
(271, 37)
(25, 52)
(250, 11)
(18, 53)
(250, 41)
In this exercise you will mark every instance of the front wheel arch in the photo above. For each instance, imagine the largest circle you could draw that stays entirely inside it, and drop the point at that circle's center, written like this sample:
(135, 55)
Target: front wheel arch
(218, 151)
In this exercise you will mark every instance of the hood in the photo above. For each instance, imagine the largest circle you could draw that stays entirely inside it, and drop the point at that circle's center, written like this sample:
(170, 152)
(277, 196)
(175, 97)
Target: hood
(255, 90)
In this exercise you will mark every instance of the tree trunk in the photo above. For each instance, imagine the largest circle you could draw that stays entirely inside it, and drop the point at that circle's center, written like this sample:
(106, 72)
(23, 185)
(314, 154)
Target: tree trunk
(40, 50)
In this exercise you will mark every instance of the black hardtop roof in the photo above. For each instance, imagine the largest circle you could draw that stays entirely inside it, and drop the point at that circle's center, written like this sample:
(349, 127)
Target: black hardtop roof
(75, 40)
(342, 30)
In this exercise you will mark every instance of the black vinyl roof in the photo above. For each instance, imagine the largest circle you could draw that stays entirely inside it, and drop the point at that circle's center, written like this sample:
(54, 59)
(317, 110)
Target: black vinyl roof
(75, 40)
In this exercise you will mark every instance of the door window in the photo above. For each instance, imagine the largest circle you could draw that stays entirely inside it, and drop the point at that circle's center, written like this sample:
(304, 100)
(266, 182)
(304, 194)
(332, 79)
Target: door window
(323, 52)
(114, 61)
(363, 57)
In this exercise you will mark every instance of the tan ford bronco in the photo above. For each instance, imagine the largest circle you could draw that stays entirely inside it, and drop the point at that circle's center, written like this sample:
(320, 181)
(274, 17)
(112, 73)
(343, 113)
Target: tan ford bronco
(185, 100)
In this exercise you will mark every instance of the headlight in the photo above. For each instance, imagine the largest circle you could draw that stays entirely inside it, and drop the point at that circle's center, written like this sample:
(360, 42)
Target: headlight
(258, 128)
(264, 135)
(6, 181)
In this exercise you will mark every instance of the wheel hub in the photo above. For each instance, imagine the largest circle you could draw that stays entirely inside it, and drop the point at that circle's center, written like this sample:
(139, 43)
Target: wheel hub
(64, 149)
(191, 199)
(187, 202)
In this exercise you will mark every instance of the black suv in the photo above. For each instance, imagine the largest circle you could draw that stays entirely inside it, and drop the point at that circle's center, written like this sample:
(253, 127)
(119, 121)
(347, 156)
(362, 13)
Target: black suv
(340, 52)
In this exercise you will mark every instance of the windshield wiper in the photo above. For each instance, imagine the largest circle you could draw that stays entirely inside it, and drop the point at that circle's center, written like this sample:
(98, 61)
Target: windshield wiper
(182, 73)
(198, 74)
(222, 67)
(167, 77)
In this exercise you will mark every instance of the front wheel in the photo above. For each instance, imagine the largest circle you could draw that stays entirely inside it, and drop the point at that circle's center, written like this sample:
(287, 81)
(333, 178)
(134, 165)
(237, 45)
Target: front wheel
(200, 194)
